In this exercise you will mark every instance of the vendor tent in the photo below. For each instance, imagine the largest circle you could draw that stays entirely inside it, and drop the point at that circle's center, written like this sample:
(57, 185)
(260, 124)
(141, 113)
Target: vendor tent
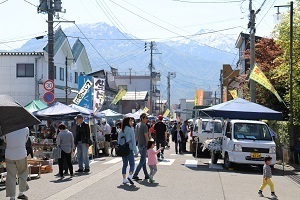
(242, 109)
(35, 105)
(111, 114)
(139, 112)
(82, 110)
(132, 115)
(57, 110)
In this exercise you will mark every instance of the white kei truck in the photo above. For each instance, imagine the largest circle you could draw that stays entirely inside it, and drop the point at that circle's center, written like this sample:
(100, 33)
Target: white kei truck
(245, 142)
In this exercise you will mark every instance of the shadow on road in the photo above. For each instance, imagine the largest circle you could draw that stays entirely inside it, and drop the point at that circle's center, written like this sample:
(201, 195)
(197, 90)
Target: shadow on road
(147, 184)
(61, 180)
(130, 188)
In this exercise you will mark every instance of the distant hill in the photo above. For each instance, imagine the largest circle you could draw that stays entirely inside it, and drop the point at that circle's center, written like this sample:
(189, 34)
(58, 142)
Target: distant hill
(196, 61)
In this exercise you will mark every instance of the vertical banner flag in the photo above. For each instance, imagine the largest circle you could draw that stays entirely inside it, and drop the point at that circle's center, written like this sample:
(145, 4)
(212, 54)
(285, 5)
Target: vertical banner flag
(145, 110)
(258, 76)
(167, 112)
(84, 95)
(119, 96)
(86, 100)
(199, 97)
(99, 94)
(234, 94)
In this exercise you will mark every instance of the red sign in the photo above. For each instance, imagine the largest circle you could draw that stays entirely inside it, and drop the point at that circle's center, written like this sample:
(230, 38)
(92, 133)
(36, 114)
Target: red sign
(48, 97)
(49, 85)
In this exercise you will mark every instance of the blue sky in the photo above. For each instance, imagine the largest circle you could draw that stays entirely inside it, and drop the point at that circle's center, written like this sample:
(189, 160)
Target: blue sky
(20, 20)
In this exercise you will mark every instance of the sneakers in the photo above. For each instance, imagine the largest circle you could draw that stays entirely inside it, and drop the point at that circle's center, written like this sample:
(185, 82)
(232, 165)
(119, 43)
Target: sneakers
(273, 195)
(136, 178)
(260, 193)
(86, 170)
(147, 177)
(151, 180)
(79, 170)
(23, 196)
(130, 181)
(125, 181)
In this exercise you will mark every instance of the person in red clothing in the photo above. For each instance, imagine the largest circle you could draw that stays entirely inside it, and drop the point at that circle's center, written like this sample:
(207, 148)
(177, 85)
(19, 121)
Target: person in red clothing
(152, 161)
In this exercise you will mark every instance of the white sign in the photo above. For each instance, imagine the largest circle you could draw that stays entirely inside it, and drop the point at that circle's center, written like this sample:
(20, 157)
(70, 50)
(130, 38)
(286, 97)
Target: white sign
(99, 94)
(48, 85)
(80, 95)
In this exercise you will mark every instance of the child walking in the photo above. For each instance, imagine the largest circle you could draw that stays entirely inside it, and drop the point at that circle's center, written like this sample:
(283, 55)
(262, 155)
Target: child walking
(152, 160)
(267, 175)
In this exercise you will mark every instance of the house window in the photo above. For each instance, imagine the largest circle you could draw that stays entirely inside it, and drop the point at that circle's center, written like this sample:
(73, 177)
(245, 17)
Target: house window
(54, 72)
(76, 77)
(61, 73)
(25, 70)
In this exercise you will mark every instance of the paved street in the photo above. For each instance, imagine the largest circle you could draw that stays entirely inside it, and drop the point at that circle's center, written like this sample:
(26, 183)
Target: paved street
(178, 177)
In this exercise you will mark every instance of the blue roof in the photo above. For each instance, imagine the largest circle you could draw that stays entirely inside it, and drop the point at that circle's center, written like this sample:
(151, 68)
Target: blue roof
(77, 49)
(59, 38)
(242, 109)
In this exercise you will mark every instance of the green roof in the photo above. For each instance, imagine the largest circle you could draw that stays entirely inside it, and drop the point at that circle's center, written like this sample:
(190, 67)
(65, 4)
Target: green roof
(35, 105)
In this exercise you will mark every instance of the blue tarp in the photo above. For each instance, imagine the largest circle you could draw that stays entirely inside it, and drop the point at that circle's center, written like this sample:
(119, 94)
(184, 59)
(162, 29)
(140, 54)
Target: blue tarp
(242, 109)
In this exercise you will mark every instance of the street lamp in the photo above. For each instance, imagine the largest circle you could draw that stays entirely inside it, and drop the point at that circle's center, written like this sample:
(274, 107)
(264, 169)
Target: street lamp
(291, 6)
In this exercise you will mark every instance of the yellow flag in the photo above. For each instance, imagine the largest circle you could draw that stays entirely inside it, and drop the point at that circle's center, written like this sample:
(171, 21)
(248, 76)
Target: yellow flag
(258, 76)
(167, 112)
(234, 94)
(146, 110)
(119, 96)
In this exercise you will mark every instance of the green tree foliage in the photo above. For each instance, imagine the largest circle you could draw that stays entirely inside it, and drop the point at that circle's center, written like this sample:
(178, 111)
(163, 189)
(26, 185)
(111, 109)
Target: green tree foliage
(281, 73)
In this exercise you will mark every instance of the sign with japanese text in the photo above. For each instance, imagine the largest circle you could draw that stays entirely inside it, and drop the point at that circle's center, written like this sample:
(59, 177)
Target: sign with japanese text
(99, 94)
(234, 94)
(82, 92)
(119, 96)
(87, 101)
(199, 95)
(167, 112)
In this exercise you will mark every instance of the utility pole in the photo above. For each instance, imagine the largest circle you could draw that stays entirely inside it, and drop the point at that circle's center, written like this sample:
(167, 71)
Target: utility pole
(66, 80)
(251, 25)
(130, 75)
(50, 43)
(151, 70)
(170, 75)
(221, 86)
(215, 97)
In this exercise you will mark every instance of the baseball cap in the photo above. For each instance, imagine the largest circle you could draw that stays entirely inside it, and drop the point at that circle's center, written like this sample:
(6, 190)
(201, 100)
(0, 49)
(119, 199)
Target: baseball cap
(160, 117)
(79, 116)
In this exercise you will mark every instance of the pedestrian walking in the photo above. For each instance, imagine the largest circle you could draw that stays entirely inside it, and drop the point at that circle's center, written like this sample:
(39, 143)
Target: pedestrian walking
(127, 135)
(185, 130)
(16, 162)
(106, 131)
(267, 175)
(65, 142)
(177, 136)
(161, 136)
(82, 144)
(143, 138)
(114, 139)
(152, 161)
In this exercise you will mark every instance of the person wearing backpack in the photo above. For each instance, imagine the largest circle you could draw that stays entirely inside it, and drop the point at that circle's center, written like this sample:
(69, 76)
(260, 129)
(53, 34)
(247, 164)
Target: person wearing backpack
(127, 135)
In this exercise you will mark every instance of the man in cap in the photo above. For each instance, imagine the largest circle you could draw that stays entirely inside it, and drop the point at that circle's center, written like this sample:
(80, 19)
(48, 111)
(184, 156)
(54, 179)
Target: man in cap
(82, 143)
(161, 135)
(105, 129)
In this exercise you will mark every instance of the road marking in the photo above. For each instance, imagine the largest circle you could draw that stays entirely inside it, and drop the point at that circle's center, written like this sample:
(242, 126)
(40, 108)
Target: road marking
(113, 161)
(80, 186)
(166, 162)
(191, 163)
(187, 155)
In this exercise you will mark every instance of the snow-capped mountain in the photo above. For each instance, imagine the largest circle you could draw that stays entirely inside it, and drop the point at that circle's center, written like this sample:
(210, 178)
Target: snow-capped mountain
(196, 60)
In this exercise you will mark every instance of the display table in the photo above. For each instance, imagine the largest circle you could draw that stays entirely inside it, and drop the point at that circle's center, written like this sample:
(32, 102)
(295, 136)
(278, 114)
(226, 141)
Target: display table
(42, 150)
(34, 168)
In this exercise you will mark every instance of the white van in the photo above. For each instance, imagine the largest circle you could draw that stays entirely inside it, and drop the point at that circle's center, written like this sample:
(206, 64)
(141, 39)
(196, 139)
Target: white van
(210, 129)
(247, 142)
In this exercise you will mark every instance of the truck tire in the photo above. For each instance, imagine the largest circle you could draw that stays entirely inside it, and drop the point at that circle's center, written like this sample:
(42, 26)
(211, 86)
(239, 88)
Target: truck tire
(227, 163)
(214, 157)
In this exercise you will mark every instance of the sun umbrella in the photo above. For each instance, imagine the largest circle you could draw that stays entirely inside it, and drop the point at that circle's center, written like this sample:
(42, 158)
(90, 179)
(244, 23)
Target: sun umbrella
(14, 116)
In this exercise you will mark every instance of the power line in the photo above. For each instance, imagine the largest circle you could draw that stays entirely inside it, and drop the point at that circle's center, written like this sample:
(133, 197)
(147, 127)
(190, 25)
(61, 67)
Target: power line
(3, 1)
(266, 13)
(206, 2)
(92, 45)
(162, 26)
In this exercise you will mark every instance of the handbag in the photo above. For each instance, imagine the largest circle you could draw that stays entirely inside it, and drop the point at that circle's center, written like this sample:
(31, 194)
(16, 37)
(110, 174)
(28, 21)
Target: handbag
(123, 150)
(56, 153)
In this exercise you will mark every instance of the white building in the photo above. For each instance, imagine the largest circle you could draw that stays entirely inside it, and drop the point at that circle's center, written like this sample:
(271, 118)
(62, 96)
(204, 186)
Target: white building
(23, 73)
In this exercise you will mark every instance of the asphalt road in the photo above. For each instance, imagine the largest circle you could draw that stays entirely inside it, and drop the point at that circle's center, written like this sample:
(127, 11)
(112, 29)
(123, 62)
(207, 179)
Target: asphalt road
(178, 177)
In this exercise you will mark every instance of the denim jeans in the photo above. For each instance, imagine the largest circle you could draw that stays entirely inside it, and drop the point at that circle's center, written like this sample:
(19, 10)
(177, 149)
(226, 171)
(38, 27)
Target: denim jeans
(142, 163)
(126, 159)
(83, 155)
